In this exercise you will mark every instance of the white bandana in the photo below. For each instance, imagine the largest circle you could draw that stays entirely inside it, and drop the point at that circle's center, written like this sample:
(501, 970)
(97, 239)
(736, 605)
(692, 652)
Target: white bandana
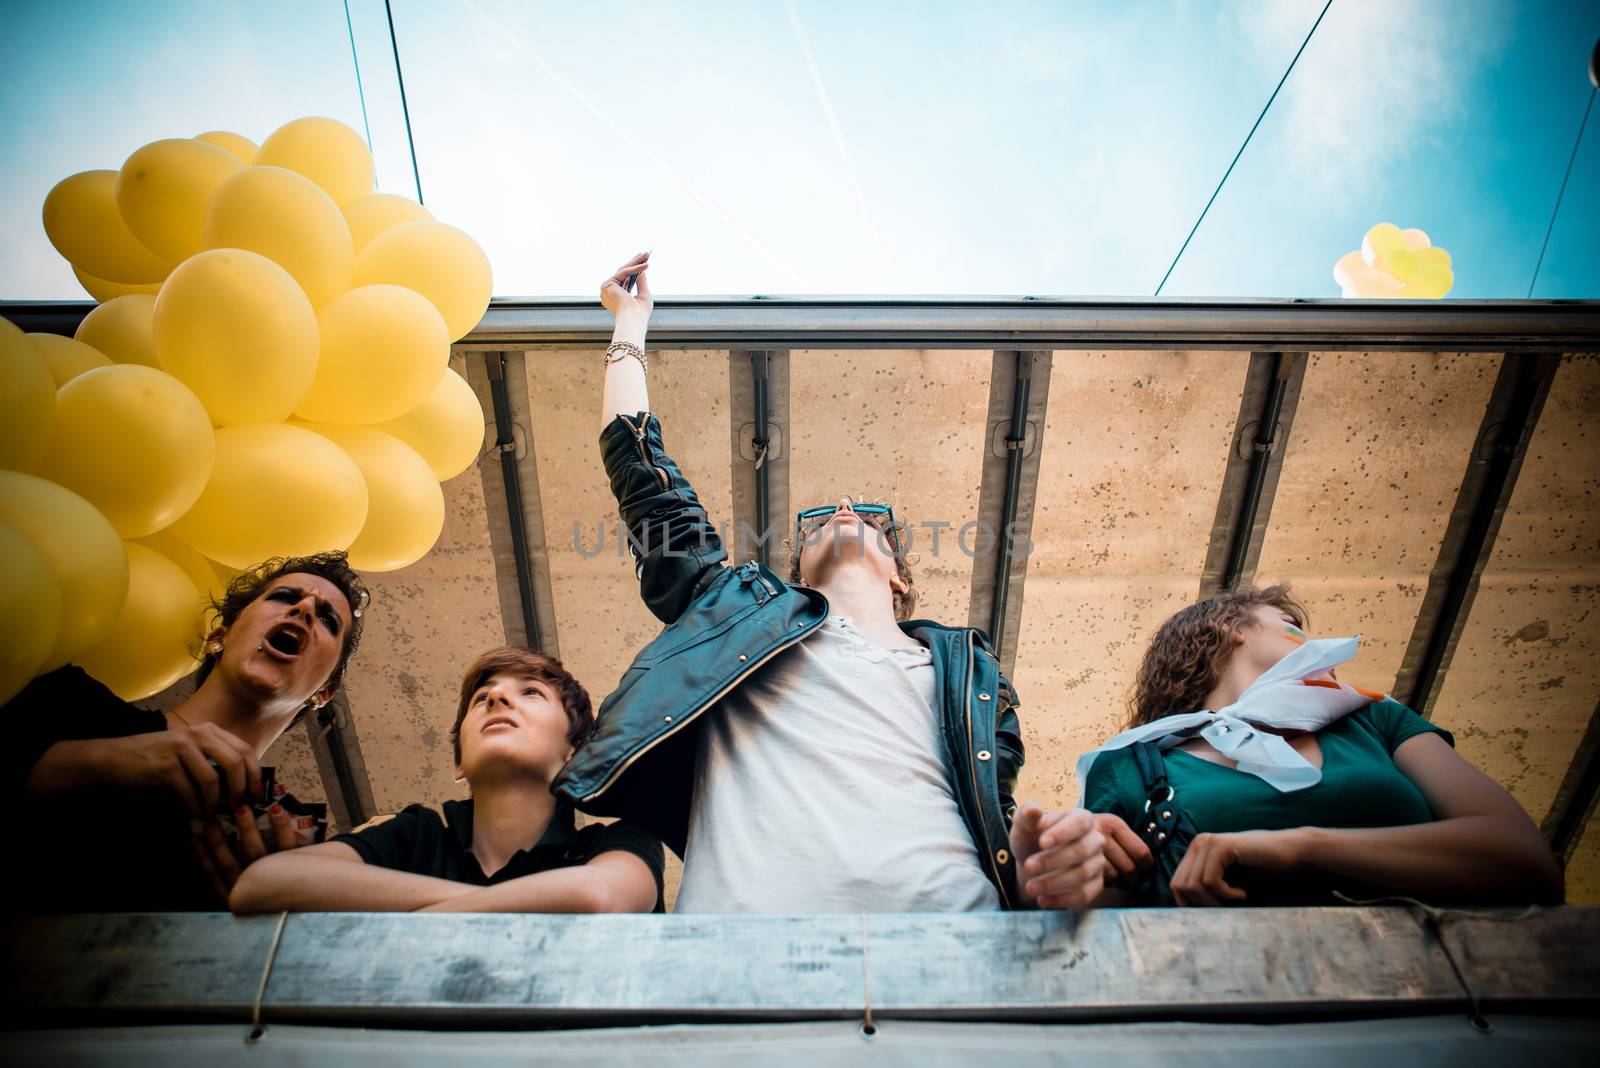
(1289, 696)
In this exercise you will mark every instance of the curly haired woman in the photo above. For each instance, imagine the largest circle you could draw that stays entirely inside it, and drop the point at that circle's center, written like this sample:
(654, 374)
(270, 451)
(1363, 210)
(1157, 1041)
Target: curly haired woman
(1293, 784)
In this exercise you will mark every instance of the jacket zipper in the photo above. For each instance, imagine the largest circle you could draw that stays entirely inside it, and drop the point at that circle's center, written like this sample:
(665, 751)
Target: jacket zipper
(685, 720)
(644, 454)
(972, 766)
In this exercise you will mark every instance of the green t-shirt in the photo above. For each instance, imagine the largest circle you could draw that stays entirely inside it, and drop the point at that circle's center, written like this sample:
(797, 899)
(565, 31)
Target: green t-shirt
(1360, 787)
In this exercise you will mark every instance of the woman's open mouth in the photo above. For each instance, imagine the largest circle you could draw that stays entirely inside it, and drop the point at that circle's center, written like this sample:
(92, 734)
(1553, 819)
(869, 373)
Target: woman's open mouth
(286, 640)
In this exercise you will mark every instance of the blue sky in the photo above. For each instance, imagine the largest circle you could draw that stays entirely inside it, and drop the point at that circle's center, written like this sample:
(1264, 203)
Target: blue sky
(804, 147)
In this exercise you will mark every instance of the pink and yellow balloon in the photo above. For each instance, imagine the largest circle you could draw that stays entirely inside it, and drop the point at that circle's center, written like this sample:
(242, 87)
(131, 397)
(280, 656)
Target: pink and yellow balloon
(1395, 263)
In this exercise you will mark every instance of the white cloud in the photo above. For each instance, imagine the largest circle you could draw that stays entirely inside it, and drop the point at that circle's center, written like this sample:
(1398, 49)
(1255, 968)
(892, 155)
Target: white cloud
(1377, 76)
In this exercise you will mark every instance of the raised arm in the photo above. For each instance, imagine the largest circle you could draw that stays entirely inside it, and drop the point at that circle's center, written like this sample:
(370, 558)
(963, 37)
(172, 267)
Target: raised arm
(676, 549)
(625, 392)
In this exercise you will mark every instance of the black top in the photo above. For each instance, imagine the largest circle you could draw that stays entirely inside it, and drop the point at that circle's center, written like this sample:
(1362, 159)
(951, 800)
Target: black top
(419, 841)
(101, 849)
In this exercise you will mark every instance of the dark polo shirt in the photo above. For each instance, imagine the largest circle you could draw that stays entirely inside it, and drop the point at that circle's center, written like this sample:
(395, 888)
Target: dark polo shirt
(419, 841)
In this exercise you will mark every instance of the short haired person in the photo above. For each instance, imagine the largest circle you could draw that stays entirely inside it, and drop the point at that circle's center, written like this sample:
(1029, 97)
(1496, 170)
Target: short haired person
(806, 746)
(510, 847)
(102, 792)
(1298, 784)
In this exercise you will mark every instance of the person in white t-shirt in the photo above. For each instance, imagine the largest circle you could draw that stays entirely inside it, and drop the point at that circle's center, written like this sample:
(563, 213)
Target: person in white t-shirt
(807, 745)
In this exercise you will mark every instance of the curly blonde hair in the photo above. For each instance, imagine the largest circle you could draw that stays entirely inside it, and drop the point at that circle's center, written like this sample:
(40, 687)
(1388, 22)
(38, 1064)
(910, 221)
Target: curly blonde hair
(905, 601)
(1186, 655)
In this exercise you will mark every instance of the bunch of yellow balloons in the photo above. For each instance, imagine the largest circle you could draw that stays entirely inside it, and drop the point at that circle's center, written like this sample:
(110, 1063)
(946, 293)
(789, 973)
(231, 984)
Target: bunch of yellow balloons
(266, 375)
(1395, 263)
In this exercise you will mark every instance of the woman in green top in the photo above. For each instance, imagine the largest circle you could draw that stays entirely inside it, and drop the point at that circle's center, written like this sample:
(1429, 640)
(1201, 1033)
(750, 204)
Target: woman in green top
(1395, 810)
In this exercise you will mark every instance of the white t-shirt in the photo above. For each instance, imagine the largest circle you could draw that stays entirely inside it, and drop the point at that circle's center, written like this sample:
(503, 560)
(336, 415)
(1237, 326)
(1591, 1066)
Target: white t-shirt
(820, 786)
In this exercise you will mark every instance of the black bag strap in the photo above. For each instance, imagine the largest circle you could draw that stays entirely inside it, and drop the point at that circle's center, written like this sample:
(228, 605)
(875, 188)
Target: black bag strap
(1152, 769)
(1163, 826)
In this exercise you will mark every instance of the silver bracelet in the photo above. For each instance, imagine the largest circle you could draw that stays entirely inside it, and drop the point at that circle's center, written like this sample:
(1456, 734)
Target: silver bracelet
(618, 349)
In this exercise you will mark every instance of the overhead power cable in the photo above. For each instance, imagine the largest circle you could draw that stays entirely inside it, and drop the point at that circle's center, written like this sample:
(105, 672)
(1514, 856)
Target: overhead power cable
(360, 90)
(405, 109)
(1573, 158)
(1242, 147)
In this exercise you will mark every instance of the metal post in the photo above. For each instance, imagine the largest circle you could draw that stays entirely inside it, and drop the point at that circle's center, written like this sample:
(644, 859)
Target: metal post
(1508, 423)
(1015, 441)
(505, 442)
(759, 367)
(1261, 456)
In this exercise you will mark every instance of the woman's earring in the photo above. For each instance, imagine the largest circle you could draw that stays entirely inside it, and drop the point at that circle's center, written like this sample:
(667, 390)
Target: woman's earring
(214, 646)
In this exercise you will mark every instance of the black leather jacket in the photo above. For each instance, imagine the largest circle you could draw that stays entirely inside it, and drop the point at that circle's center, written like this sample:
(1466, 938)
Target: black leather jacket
(722, 623)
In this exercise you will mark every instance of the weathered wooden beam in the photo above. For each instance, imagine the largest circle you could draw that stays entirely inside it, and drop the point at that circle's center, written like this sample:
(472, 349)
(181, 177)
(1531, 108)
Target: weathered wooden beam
(1443, 1041)
(501, 971)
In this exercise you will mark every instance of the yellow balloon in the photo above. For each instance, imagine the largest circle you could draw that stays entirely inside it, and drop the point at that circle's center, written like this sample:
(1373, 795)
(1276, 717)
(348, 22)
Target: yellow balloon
(275, 490)
(122, 328)
(324, 150)
(236, 329)
(102, 290)
(27, 401)
(383, 350)
(438, 261)
(1431, 282)
(201, 571)
(83, 551)
(447, 429)
(1433, 255)
(67, 357)
(83, 223)
(405, 509)
(1379, 242)
(242, 147)
(30, 611)
(153, 641)
(374, 213)
(134, 442)
(225, 573)
(1413, 239)
(291, 222)
(1402, 264)
(164, 189)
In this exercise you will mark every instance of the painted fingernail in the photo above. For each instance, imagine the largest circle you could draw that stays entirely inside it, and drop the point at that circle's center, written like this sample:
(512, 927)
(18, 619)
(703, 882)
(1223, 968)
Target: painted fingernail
(277, 809)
